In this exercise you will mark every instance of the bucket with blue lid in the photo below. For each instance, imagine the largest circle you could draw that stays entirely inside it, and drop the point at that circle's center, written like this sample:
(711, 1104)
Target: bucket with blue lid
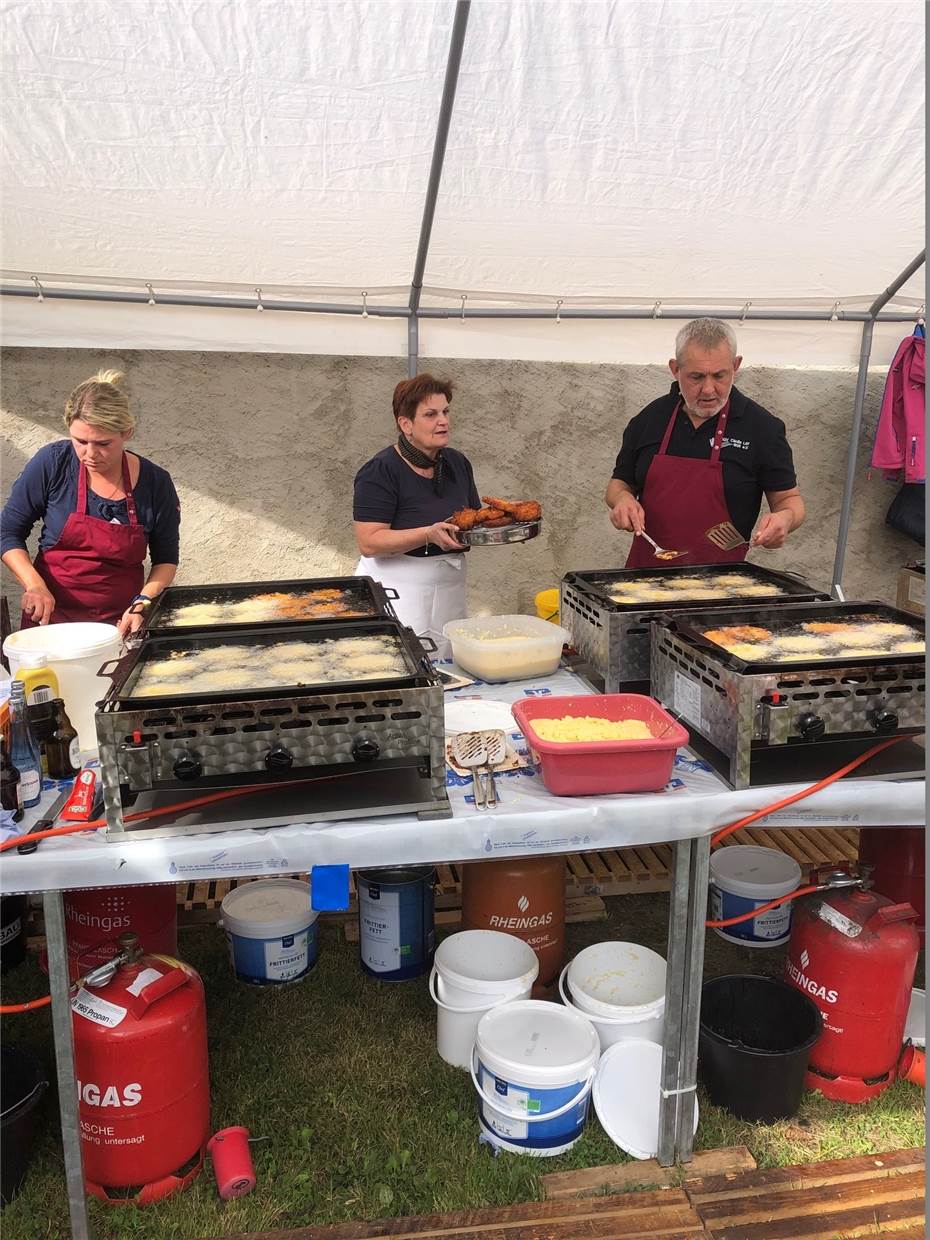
(743, 877)
(271, 931)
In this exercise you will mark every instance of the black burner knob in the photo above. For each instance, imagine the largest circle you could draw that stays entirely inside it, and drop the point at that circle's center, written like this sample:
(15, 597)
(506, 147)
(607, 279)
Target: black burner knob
(279, 759)
(884, 721)
(365, 750)
(811, 727)
(188, 766)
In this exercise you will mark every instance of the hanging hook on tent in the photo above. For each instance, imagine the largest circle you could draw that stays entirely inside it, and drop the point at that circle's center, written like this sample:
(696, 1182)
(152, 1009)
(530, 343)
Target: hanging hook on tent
(152, 301)
(258, 304)
(742, 317)
(921, 310)
(40, 296)
(834, 313)
(558, 310)
(364, 305)
(657, 310)
(464, 299)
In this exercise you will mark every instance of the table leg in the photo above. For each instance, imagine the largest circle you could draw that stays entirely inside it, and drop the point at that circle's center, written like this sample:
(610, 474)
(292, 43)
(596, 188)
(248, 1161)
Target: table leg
(691, 1007)
(60, 986)
(675, 984)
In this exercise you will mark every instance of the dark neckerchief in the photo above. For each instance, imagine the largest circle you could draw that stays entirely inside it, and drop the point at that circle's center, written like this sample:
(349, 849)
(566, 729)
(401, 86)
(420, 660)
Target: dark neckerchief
(415, 457)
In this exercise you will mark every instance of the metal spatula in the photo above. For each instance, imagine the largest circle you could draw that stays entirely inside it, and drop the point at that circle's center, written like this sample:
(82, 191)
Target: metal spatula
(470, 750)
(496, 744)
(725, 536)
(660, 552)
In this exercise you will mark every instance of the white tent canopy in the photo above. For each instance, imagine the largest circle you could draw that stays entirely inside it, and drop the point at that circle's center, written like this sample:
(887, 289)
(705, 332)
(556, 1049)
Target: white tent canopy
(601, 153)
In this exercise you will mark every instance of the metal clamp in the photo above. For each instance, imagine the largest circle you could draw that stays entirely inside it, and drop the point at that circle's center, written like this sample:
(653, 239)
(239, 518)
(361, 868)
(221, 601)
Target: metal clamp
(151, 301)
(834, 313)
(558, 310)
(258, 304)
(40, 296)
(364, 305)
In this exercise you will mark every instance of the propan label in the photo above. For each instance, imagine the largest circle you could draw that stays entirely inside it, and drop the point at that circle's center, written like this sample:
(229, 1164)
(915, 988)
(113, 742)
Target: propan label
(687, 699)
(95, 1009)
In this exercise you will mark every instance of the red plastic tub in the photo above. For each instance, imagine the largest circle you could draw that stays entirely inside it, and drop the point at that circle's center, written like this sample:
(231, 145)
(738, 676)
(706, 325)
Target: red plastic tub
(585, 768)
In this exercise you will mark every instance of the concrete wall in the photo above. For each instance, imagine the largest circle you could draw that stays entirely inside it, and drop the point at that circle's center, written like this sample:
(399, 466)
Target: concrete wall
(263, 449)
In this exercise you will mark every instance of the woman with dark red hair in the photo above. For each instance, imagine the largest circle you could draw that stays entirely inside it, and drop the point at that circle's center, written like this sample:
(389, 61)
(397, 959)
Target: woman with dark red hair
(404, 497)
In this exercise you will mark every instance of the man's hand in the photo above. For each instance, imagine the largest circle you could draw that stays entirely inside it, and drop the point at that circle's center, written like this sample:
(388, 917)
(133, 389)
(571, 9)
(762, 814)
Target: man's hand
(627, 514)
(38, 604)
(130, 622)
(772, 530)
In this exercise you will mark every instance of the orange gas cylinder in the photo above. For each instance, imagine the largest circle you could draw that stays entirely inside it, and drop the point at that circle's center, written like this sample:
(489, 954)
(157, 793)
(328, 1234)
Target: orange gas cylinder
(524, 896)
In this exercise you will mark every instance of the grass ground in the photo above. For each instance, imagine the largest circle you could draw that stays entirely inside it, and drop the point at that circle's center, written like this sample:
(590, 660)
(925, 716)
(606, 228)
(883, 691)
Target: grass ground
(361, 1118)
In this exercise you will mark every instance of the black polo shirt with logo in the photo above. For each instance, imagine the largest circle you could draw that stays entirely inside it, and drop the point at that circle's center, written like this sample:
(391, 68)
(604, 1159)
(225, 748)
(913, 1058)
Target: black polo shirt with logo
(755, 454)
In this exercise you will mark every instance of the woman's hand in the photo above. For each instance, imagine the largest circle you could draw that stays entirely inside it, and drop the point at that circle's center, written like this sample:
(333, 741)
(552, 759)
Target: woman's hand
(131, 621)
(445, 535)
(38, 604)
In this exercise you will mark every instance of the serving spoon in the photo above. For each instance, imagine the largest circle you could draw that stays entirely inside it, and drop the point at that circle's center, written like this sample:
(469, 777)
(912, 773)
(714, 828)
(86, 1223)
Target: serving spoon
(660, 552)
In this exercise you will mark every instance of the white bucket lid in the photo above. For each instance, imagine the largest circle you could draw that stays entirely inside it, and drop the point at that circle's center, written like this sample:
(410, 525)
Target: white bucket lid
(754, 872)
(611, 978)
(486, 962)
(268, 909)
(627, 1090)
(531, 1042)
(915, 1027)
(63, 641)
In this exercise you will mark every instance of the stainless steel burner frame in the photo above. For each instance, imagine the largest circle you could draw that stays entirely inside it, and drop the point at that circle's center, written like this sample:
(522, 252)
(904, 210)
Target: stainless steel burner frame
(745, 716)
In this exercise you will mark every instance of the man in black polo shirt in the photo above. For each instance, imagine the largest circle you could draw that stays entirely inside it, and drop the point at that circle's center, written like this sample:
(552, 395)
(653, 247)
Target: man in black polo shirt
(701, 457)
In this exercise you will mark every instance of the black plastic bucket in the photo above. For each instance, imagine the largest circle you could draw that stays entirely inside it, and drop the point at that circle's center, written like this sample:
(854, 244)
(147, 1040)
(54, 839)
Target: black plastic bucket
(756, 1038)
(23, 1081)
(12, 932)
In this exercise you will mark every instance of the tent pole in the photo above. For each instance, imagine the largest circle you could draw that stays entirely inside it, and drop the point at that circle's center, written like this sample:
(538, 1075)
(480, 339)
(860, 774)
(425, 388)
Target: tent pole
(852, 452)
(440, 312)
(413, 345)
(456, 43)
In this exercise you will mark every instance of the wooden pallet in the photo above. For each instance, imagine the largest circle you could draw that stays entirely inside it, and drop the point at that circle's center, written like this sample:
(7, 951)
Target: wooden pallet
(608, 872)
(633, 1216)
(876, 1195)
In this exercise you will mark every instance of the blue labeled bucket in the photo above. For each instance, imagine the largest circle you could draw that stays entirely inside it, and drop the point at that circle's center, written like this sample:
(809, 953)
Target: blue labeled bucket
(533, 1067)
(271, 931)
(396, 935)
(743, 877)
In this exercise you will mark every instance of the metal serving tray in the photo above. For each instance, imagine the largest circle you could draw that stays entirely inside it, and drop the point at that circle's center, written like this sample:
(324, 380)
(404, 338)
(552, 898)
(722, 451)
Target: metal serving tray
(761, 722)
(612, 638)
(369, 597)
(520, 531)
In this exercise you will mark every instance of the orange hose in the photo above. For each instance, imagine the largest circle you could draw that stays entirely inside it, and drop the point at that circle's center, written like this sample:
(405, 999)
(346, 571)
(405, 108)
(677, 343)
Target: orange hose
(7, 1008)
(806, 792)
(763, 908)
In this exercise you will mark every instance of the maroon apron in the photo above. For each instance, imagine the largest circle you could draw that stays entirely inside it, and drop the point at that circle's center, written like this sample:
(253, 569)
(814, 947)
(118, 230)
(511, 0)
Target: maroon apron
(682, 498)
(96, 567)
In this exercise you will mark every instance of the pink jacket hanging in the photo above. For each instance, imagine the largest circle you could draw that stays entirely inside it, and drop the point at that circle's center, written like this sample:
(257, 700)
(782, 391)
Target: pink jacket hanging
(899, 436)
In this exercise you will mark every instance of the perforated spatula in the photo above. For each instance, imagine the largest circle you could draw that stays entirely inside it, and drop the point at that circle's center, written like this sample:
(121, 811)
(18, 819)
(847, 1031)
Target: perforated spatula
(496, 744)
(725, 536)
(470, 750)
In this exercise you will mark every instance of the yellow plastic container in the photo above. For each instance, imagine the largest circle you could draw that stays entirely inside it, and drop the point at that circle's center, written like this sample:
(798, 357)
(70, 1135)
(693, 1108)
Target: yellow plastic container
(547, 605)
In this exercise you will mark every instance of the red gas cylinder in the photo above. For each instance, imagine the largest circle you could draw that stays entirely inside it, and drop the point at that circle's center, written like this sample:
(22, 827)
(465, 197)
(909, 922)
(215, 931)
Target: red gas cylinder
(140, 1055)
(94, 920)
(896, 856)
(854, 953)
(524, 896)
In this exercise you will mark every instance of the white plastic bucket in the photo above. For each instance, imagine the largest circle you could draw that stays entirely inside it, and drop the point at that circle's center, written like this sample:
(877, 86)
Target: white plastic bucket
(627, 1093)
(474, 971)
(744, 876)
(75, 653)
(271, 931)
(533, 1068)
(620, 988)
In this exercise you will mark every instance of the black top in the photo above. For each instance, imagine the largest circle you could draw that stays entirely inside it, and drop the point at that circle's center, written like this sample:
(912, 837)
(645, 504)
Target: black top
(755, 453)
(388, 491)
(47, 491)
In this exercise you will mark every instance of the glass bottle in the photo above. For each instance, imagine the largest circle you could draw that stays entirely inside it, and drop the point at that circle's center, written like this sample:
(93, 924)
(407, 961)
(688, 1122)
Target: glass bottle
(11, 801)
(24, 750)
(62, 749)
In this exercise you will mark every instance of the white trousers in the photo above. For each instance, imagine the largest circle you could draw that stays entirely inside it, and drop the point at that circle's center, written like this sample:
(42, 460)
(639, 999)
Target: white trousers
(431, 590)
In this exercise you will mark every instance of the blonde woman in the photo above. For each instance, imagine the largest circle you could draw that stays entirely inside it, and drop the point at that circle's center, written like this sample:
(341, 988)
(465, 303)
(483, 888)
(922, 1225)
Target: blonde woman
(102, 508)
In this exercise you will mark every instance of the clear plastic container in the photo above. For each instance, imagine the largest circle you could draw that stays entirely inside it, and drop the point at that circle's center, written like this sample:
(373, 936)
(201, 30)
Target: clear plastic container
(498, 648)
(586, 768)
